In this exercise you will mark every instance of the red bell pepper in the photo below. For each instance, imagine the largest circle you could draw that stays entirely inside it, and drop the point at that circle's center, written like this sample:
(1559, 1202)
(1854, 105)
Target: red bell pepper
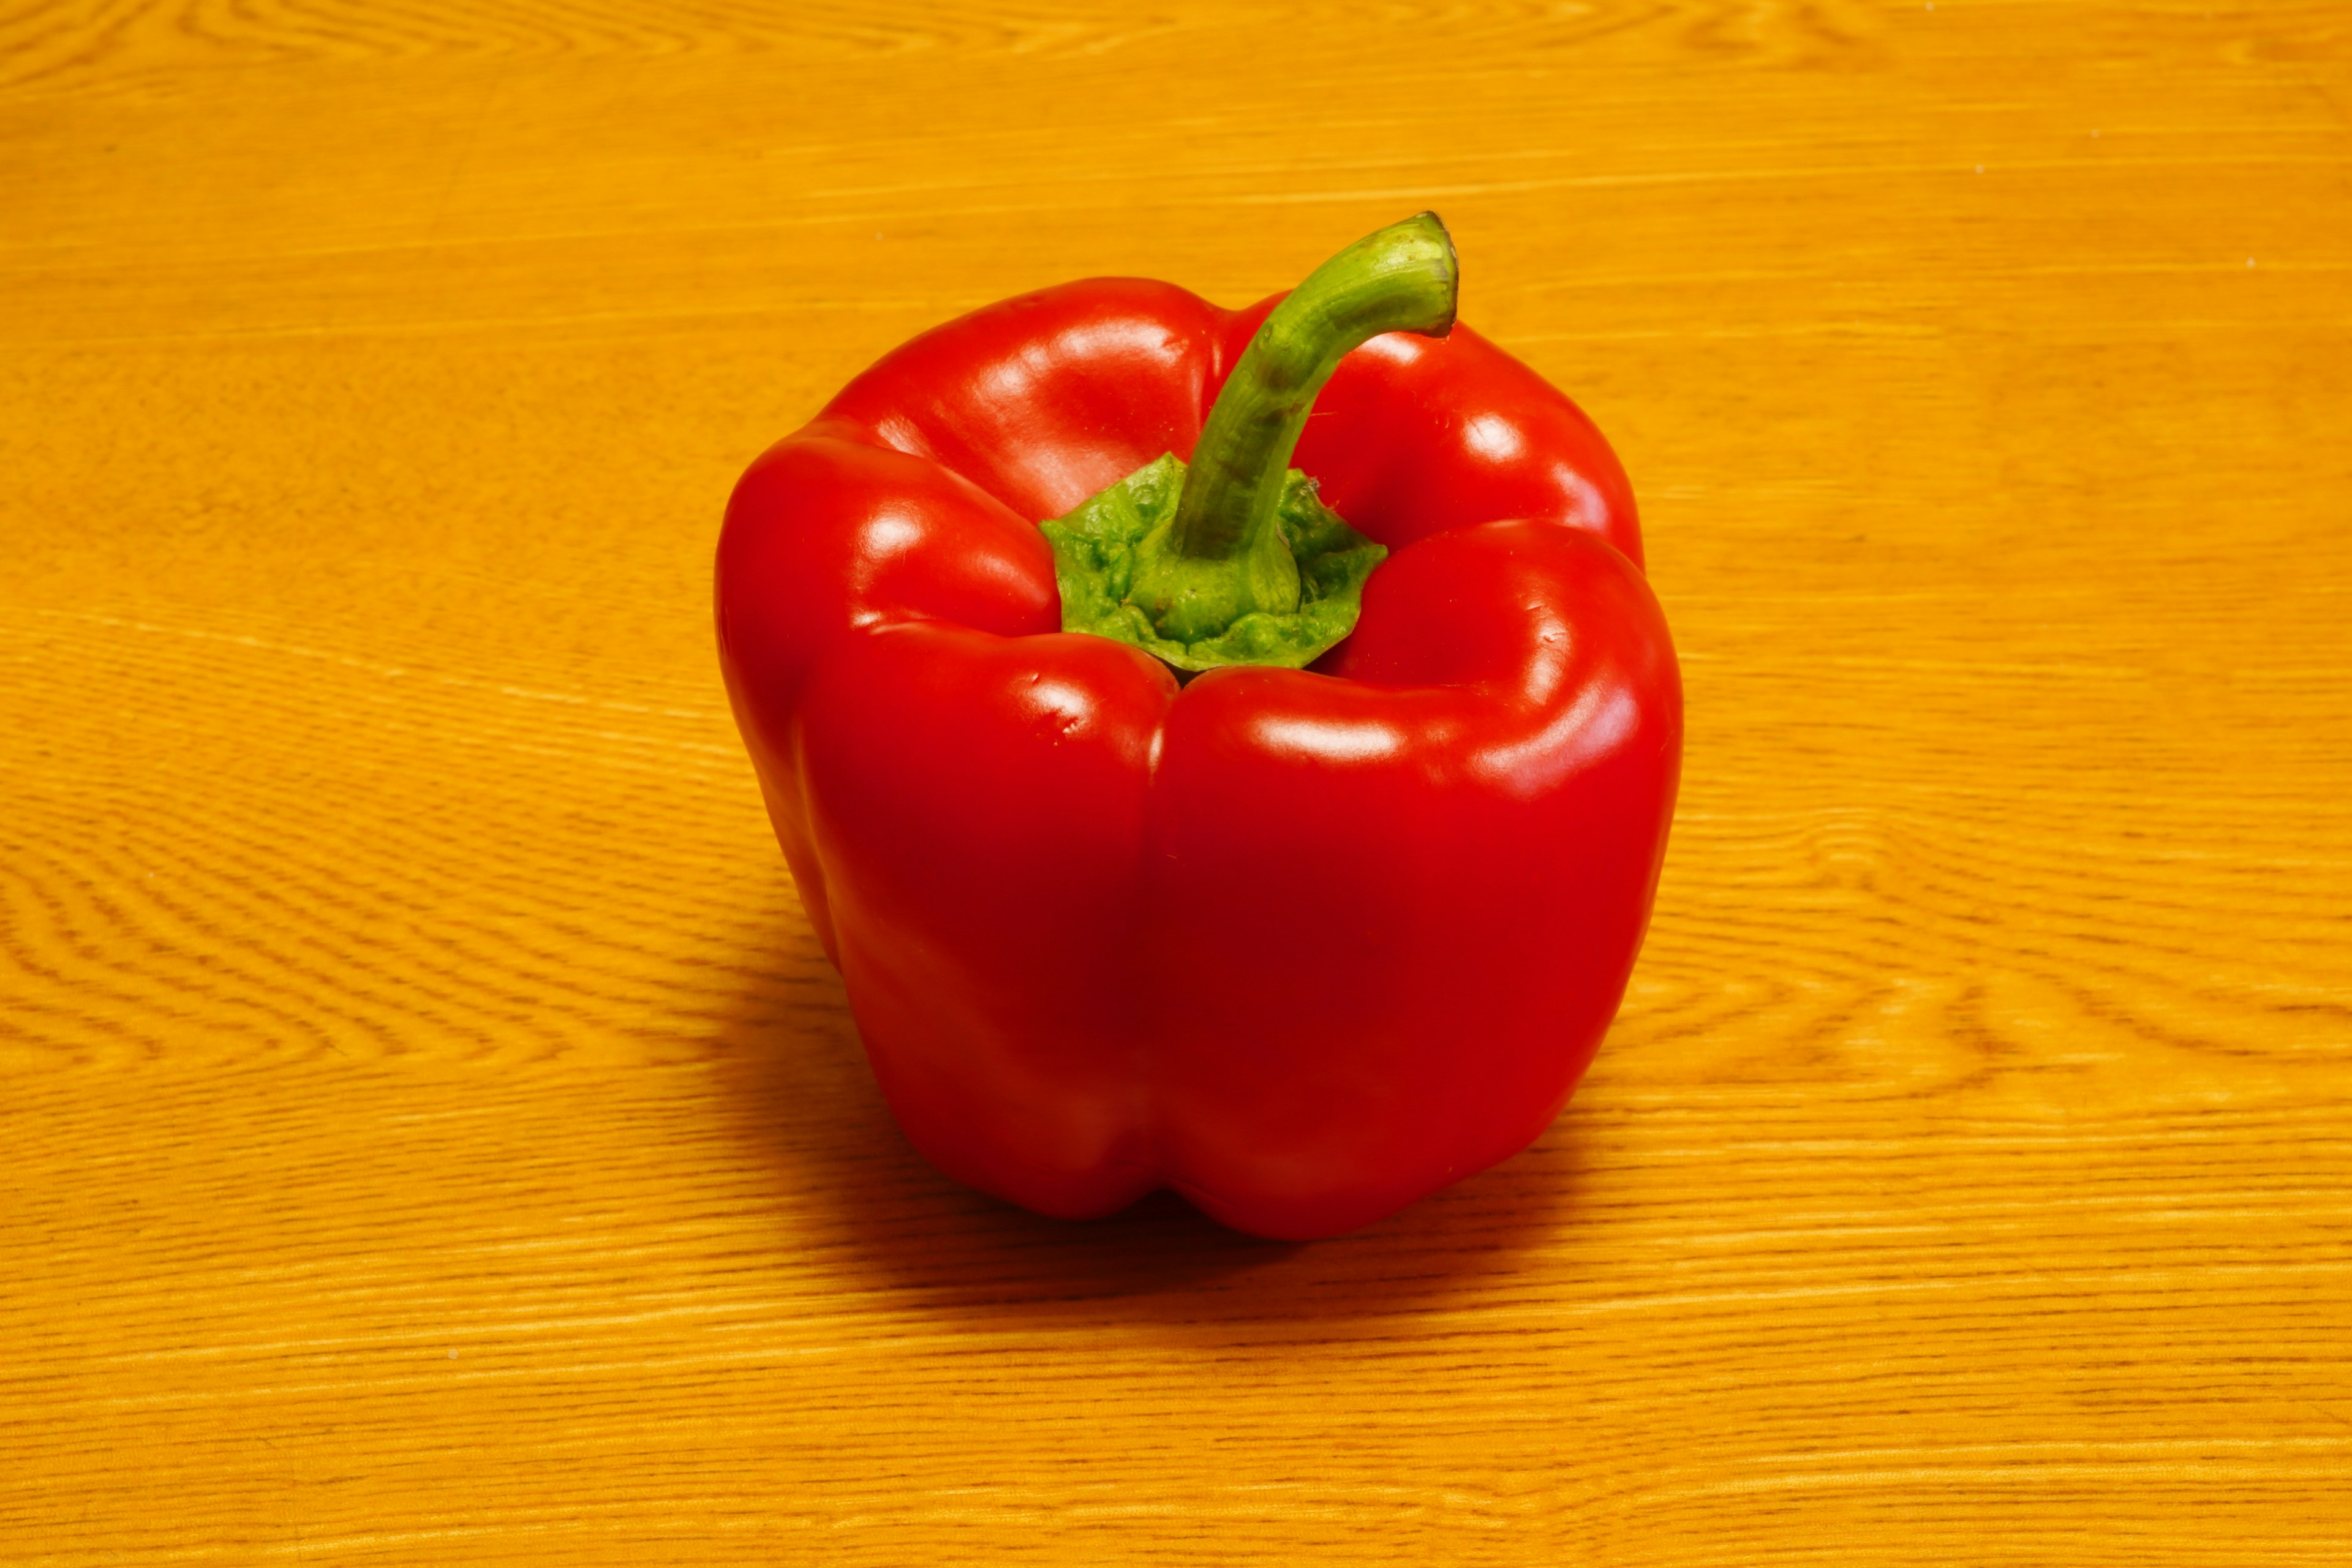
(1305, 944)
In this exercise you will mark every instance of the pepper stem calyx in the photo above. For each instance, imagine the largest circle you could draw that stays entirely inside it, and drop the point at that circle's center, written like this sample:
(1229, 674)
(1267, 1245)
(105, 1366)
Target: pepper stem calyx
(1234, 558)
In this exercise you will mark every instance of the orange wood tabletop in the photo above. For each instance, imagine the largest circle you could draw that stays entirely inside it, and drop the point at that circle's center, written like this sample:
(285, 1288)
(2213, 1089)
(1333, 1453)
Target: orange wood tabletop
(433, 1136)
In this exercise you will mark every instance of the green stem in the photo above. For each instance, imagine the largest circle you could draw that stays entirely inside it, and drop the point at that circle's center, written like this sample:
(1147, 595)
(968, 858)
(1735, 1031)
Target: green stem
(1401, 279)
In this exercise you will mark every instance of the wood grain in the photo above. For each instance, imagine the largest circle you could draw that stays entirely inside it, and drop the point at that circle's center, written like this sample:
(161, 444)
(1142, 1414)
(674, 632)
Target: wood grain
(434, 1137)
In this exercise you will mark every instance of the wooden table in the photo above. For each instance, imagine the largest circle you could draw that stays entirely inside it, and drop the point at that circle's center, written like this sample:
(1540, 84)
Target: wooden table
(432, 1135)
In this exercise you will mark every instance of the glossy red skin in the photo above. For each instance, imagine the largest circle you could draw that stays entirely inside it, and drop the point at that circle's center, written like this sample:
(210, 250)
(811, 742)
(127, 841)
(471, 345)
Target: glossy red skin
(1304, 946)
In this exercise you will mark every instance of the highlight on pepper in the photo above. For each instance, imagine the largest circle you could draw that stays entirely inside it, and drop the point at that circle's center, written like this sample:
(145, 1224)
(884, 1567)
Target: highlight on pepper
(1227, 751)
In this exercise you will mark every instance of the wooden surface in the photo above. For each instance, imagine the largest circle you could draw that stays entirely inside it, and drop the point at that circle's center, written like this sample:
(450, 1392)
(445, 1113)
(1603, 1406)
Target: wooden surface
(432, 1134)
